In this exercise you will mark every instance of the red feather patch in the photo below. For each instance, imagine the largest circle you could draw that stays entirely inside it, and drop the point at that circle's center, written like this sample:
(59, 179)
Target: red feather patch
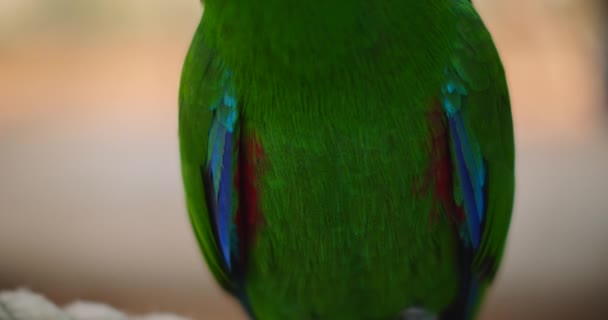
(439, 174)
(249, 216)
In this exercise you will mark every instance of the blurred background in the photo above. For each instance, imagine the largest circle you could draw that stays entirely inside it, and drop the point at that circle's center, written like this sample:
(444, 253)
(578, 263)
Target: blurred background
(91, 200)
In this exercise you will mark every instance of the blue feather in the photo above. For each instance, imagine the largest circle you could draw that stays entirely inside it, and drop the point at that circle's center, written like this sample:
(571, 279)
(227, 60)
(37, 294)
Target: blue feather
(468, 189)
(224, 213)
(221, 159)
(474, 169)
(217, 154)
(468, 161)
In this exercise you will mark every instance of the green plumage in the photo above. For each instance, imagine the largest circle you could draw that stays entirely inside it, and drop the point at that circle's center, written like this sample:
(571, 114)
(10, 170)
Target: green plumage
(339, 97)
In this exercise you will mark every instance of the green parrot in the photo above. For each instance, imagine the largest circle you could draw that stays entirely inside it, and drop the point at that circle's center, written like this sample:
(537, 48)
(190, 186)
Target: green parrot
(347, 159)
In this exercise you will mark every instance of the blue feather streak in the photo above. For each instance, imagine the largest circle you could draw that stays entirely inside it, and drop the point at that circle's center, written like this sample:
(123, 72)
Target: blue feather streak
(218, 135)
(468, 189)
(224, 212)
(475, 171)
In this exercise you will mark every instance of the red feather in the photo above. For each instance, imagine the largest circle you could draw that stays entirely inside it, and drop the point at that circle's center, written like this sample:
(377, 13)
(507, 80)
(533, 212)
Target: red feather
(248, 216)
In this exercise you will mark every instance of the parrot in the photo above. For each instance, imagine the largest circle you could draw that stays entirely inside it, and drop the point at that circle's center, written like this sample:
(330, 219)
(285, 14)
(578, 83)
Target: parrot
(347, 159)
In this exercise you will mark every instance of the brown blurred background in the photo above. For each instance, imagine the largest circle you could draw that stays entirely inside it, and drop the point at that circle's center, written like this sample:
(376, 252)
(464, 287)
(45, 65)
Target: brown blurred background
(91, 202)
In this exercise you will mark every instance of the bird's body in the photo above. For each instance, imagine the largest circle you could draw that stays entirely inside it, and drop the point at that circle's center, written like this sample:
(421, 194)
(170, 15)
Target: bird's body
(347, 159)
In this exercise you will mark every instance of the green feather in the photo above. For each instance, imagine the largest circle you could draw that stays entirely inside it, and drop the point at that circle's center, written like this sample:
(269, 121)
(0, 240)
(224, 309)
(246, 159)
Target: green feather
(339, 95)
(488, 119)
(196, 97)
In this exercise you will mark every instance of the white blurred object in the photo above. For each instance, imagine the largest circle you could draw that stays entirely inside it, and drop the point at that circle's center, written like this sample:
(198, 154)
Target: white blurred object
(23, 304)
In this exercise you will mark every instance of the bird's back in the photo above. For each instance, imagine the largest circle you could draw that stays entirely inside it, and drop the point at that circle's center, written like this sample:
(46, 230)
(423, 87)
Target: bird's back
(350, 226)
(343, 203)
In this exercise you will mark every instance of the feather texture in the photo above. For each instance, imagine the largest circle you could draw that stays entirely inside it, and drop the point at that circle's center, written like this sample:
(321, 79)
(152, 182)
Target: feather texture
(327, 193)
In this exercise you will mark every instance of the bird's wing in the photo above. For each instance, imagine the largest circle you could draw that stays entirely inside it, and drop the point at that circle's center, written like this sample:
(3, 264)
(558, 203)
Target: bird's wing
(209, 142)
(476, 103)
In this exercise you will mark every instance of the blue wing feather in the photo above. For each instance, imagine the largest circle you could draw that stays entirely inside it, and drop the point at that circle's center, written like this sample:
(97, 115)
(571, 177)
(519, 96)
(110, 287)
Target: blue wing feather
(474, 87)
(471, 177)
(225, 208)
(468, 160)
(468, 186)
(221, 167)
